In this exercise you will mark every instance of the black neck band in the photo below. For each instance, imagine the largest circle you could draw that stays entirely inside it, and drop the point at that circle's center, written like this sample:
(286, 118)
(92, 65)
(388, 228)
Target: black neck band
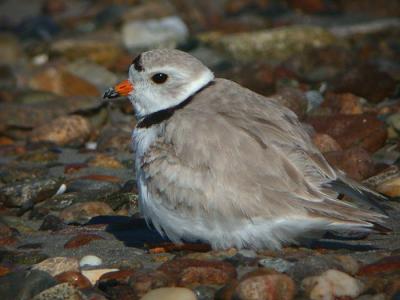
(162, 115)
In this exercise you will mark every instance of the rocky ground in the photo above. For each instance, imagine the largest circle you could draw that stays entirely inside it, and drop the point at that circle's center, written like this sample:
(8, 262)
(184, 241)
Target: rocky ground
(69, 221)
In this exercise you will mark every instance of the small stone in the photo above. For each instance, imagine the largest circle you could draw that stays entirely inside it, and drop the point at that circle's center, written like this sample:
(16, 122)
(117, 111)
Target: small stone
(64, 130)
(144, 282)
(345, 104)
(62, 83)
(4, 271)
(81, 239)
(26, 258)
(57, 265)
(26, 194)
(314, 265)
(171, 293)
(74, 278)
(24, 285)
(94, 275)
(278, 264)
(348, 263)
(122, 276)
(275, 45)
(386, 265)
(204, 292)
(325, 143)
(364, 130)
(331, 285)
(103, 79)
(90, 260)
(62, 291)
(355, 162)
(8, 241)
(190, 272)
(390, 187)
(105, 161)
(165, 32)
(52, 223)
(271, 287)
(367, 81)
(83, 212)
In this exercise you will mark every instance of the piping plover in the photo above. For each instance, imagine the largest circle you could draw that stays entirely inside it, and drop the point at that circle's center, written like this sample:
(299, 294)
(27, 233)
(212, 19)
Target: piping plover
(219, 163)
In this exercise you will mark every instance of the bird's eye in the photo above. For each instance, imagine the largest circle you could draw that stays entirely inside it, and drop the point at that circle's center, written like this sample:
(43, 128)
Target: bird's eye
(159, 78)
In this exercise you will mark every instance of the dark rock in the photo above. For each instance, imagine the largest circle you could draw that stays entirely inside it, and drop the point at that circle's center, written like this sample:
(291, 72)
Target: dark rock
(367, 81)
(204, 292)
(119, 292)
(52, 223)
(24, 285)
(363, 130)
(26, 194)
(355, 162)
(143, 282)
(22, 258)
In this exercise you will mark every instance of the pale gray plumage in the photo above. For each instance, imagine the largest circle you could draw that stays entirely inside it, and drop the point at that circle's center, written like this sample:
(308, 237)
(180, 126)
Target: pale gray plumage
(231, 167)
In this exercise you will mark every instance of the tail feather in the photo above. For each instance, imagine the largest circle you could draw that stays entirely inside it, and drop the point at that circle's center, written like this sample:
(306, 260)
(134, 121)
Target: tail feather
(360, 193)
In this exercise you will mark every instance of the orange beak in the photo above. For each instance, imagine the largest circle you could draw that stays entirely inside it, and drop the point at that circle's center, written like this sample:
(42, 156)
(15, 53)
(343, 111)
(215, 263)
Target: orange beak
(122, 89)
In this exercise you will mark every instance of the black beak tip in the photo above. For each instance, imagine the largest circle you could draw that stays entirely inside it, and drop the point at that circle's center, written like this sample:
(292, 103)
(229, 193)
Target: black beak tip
(110, 93)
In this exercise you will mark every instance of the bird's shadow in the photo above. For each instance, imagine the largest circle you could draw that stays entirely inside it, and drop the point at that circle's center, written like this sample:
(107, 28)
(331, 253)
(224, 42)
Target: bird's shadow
(135, 232)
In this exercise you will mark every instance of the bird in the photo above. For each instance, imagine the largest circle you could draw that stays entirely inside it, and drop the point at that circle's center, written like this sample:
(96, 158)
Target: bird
(218, 163)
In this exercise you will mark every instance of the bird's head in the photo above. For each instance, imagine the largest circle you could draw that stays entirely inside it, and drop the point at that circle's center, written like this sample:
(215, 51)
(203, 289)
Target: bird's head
(160, 79)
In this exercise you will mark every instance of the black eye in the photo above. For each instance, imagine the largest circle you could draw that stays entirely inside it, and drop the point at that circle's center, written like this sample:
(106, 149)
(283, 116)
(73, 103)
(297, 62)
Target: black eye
(159, 78)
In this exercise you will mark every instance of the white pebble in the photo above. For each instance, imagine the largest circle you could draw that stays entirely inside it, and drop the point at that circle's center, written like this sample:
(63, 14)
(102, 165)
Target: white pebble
(332, 284)
(90, 260)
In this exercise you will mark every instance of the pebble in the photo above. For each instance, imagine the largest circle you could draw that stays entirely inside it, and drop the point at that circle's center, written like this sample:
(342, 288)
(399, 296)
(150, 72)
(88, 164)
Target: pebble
(26, 194)
(390, 187)
(331, 285)
(274, 45)
(74, 278)
(325, 143)
(62, 131)
(363, 130)
(356, 162)
(154, 33)
(90, 260)
(142, 282)
(81, 240)
(62, 82)
(191, 272)
(94, 275)
(105, 161)
(62, 291)
(270, 287)
(83, 212)
(367, 81)
(278, 264)
(172, 293)
(57, 265)
(24, 285)
(121, 276)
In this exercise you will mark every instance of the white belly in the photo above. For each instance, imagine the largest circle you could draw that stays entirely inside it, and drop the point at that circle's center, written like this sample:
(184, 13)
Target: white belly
(220, 232)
